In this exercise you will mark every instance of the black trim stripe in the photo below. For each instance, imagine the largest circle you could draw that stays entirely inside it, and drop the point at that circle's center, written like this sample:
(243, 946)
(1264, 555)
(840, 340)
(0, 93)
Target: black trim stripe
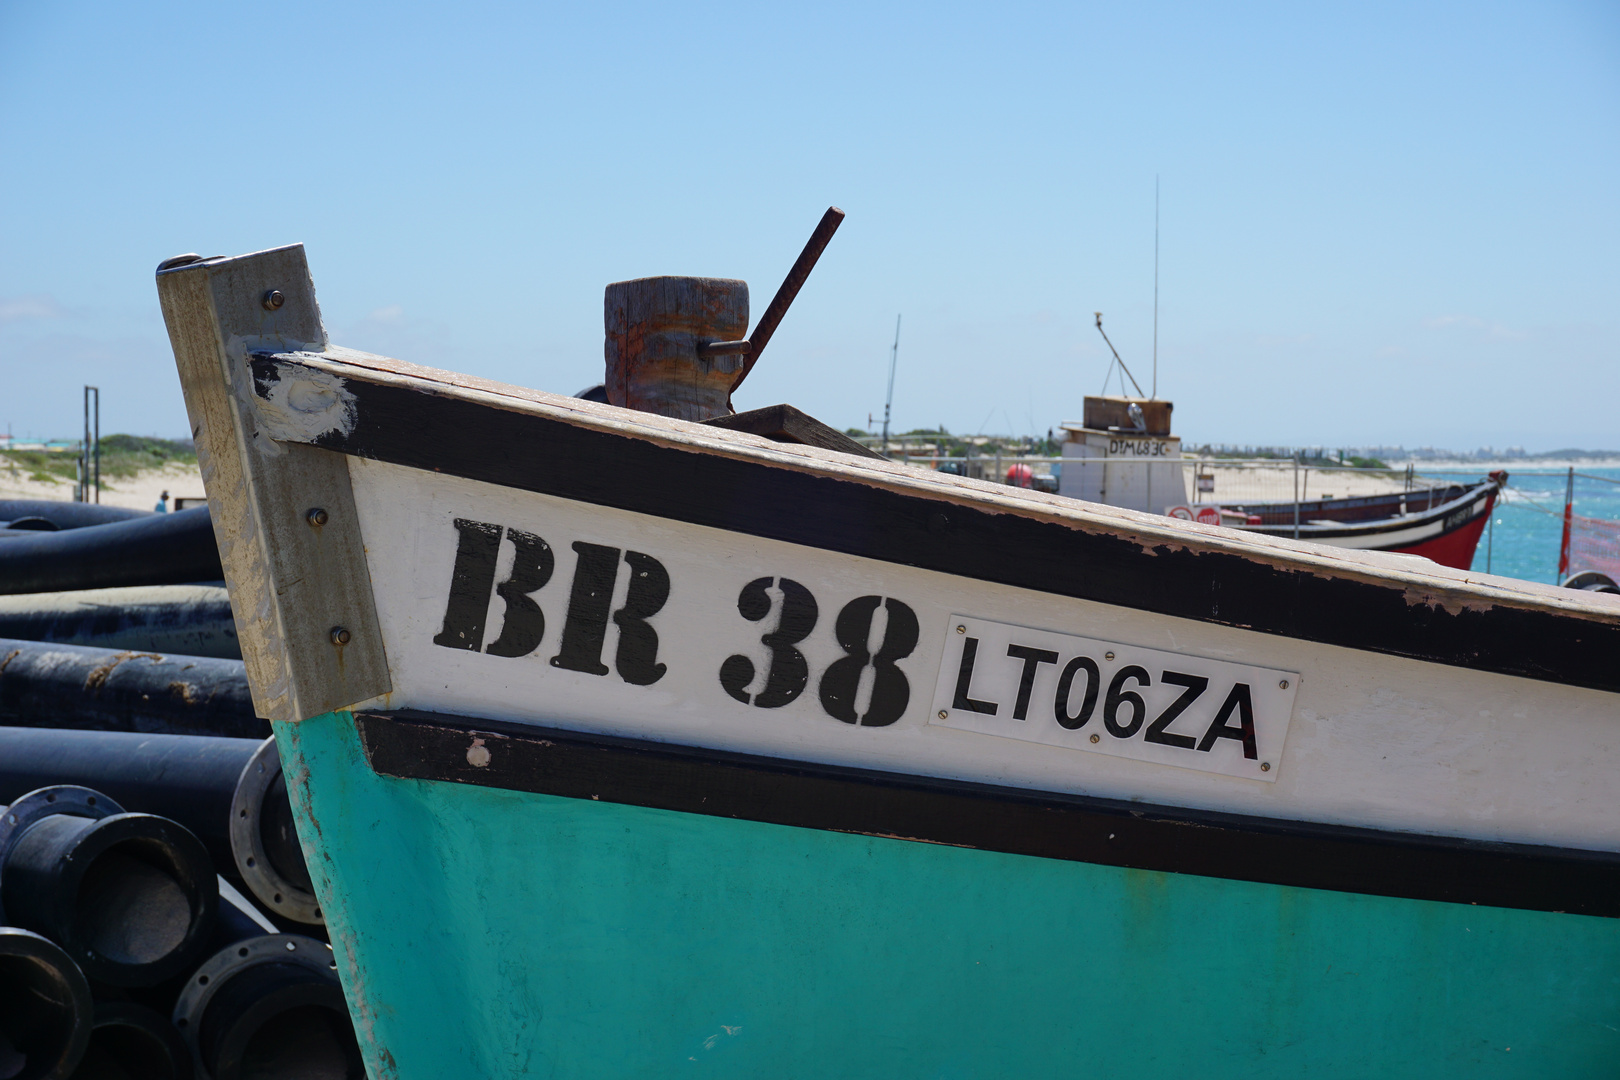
(1075, 828)
(438, 433)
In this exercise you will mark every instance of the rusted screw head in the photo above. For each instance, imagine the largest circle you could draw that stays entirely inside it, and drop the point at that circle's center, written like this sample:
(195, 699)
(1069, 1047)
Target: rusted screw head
(340, 636)
(317, 516)
(1096, 738)
(273, 300)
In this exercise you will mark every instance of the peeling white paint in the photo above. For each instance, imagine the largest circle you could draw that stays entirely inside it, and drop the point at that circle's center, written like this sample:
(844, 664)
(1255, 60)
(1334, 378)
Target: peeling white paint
(298, 403)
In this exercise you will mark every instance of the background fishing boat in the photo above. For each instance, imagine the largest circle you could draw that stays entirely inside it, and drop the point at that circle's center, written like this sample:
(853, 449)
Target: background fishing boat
(743, 753)
(1439, 523)
(1132, 459)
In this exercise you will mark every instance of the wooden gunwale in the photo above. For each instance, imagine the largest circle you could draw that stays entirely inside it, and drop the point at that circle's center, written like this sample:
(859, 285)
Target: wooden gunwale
(529, 440)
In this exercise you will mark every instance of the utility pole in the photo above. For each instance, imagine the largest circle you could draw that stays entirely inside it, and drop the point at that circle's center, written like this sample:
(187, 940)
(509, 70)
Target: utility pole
(894, 358)
(90, 468)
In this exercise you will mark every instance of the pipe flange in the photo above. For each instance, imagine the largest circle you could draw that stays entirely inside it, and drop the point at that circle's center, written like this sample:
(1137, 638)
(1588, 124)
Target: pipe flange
(279, 894)
(56, 979)
(217, 970)
(45, 802)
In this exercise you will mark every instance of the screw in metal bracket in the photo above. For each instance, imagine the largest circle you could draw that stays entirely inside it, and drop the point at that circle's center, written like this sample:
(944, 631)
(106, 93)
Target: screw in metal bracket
(273, 300)
(961, 629)
(316, 517)
(340, 636)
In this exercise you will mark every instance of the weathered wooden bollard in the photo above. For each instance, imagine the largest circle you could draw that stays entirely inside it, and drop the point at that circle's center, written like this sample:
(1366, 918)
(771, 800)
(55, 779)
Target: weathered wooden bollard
(654, 327)
(675, 345)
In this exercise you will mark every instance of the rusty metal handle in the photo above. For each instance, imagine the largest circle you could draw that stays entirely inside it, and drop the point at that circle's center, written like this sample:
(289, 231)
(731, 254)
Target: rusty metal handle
(784, 296)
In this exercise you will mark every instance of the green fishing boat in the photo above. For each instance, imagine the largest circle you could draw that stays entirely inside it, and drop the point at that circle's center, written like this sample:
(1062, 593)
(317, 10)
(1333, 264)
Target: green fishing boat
(626, 744)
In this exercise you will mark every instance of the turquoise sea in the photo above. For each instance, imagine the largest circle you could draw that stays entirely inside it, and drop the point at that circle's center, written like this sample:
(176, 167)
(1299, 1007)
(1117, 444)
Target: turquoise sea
(1522, 540)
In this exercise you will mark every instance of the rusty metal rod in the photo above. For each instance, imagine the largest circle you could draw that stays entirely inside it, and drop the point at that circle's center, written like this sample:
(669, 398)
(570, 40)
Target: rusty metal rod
(791, 285)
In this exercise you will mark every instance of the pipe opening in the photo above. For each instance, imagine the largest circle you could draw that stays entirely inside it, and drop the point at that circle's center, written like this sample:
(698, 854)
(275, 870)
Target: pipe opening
(309, 1041)
(278, 1019)
(120, 1051)
(132, 906)
(37, 1017)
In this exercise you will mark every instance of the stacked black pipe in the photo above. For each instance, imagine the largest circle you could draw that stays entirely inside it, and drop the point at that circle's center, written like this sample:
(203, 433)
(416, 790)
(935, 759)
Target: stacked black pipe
(80, 546)
(157, 919)
(123, 948)
(116, 620)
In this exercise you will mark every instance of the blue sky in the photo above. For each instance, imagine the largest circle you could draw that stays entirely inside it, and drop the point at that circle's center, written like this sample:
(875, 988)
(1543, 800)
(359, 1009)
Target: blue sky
(1380, 223)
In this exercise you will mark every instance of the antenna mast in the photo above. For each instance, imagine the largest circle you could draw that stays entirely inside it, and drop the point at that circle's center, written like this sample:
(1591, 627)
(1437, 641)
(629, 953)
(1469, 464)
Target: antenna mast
(1155, 285)
(894, 358)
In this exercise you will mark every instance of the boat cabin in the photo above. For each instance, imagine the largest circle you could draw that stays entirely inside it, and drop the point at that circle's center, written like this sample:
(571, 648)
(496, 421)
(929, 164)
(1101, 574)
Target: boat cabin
(1123, 454)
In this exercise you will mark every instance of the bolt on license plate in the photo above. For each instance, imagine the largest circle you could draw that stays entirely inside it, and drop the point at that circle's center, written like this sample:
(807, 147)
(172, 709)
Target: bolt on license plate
(1107, 698)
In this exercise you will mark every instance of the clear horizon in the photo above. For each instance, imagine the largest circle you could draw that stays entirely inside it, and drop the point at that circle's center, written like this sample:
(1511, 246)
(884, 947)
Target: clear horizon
(1379, 225)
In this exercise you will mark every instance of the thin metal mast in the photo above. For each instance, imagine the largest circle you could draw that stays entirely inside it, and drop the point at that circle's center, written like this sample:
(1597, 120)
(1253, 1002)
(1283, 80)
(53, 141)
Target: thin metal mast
(894, 358)
(1155, 285)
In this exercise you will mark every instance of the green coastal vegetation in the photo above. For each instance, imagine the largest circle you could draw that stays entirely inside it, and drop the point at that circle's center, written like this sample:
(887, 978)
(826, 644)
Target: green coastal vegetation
(949, 445)
(122, 457)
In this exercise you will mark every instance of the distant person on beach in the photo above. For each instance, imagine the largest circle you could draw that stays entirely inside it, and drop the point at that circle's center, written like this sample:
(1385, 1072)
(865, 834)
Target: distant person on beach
(162, 506)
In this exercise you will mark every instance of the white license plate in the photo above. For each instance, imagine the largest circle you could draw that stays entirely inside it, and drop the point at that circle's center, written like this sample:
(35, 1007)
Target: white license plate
(1106, 698)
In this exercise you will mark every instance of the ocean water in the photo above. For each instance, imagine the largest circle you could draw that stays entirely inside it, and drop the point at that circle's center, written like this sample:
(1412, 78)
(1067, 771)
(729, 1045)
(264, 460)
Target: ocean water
(1523, 538)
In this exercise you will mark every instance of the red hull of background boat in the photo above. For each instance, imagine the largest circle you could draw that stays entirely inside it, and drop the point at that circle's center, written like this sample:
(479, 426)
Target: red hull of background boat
(1456, 548)
(1447, 532)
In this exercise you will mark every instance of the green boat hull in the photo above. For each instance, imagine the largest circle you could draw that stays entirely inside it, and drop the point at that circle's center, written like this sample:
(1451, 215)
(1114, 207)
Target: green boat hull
(493, 933)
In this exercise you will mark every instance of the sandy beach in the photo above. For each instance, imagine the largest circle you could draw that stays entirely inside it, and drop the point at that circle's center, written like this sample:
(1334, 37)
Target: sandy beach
(138, 492)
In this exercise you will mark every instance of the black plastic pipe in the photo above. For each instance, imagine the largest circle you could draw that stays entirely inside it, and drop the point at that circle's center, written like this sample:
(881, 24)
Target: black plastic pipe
(75, 686)
(65, 515)
(158, 549)
(129, 1041)
(229, 792)
(45, 1007)
(193, 620)
(271, 1008)
(131, 897)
